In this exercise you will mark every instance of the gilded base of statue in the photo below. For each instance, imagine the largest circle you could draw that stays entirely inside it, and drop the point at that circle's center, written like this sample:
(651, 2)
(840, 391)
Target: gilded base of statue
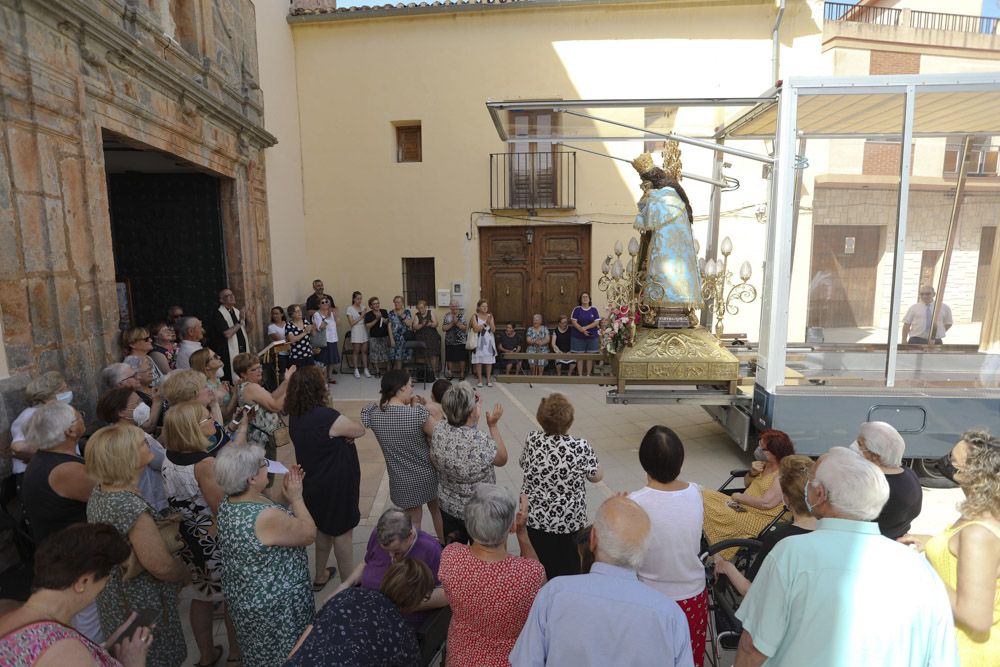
(676, 356)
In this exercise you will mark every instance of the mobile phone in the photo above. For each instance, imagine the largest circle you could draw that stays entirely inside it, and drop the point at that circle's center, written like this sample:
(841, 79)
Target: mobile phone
(143, 618)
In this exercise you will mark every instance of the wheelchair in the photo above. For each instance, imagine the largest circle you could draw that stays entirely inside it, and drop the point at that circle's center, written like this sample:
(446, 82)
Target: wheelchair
(723, 628)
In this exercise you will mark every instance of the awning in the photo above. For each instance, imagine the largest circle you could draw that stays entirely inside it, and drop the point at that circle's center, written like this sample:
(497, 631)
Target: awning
(829, 107)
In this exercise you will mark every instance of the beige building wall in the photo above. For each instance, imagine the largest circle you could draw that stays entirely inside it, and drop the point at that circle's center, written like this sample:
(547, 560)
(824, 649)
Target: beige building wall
(356, 77)
(285, 203)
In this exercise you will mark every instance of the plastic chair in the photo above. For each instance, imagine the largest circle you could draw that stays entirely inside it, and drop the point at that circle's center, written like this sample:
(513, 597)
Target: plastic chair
(419, 360)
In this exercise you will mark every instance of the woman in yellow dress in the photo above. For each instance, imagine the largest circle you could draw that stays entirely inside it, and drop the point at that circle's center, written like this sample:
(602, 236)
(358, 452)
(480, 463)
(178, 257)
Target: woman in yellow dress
(973, 541)
(746, 514)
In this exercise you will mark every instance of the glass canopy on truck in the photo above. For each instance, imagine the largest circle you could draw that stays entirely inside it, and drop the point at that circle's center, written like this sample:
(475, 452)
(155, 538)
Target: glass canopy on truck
(879, 187)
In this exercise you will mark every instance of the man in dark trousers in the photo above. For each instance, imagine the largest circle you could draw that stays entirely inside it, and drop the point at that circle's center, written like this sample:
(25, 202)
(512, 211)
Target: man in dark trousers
(227, 331)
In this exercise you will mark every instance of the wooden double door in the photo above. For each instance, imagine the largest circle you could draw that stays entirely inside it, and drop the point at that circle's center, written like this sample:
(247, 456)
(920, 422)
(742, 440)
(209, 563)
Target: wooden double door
(537, 269)
(845, 261)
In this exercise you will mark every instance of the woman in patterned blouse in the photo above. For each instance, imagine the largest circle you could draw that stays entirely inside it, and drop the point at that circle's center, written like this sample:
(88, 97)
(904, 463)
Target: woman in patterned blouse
(555, 465)
(463, 455)
(490, 590)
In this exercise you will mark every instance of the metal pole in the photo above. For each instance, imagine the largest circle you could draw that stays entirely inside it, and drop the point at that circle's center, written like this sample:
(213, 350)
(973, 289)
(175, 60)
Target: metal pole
(949, 245)
(899, 257)
(777, 269)
(797, 197)
(714, 215)
(711, 145)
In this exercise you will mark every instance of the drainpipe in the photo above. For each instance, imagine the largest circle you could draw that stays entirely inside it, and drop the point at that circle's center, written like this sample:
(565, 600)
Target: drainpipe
(775, 44)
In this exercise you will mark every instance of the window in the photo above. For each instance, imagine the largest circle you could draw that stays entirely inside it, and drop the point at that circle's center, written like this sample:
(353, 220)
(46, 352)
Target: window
(533, 178)
(408, 142)
(983, 154)
(418, 280)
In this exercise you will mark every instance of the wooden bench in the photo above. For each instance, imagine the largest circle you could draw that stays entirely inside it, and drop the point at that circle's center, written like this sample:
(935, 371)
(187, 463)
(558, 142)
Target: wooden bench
(598, 357)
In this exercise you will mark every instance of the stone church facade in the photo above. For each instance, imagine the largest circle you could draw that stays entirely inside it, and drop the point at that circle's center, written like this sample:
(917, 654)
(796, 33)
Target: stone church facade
(172, 78)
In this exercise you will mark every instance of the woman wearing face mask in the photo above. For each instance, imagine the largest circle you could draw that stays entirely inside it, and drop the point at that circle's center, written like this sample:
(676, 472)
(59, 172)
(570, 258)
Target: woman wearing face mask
(967, 554)
(48, 387)
(121, 404)
(209, 363)
(881, 444)
(744, 515)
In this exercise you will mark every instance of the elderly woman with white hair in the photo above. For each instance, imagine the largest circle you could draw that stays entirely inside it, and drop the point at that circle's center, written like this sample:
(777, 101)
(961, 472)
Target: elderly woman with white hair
(463, 455)
(882, 444)
(490, 590)
(393, 539)
(56, 488)
(46, 388)
(265, 575)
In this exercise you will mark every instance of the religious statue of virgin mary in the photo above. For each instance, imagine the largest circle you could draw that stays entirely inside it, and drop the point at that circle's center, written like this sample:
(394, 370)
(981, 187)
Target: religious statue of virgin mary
(668, 264)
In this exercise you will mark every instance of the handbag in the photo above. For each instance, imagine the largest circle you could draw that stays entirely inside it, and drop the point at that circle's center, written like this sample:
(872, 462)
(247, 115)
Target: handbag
(471, 339)
(317, 339)
(169, 526)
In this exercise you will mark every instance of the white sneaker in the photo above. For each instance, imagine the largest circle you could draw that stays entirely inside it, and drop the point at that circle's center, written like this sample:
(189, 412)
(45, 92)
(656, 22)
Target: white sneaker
(367, 374)
(357, 374)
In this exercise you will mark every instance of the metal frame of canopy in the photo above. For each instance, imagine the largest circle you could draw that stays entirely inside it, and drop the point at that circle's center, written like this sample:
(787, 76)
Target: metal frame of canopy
(883, 107)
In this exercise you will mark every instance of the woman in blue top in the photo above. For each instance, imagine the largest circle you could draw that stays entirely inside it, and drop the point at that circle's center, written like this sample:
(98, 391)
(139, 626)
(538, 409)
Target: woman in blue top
(584, 335)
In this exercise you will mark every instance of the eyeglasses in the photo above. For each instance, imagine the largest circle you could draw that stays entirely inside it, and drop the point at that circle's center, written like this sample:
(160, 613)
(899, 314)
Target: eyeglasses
(215, 357)
(205, 419)
(126, 379)
(262, 464)
(324, 301)
(255, 369)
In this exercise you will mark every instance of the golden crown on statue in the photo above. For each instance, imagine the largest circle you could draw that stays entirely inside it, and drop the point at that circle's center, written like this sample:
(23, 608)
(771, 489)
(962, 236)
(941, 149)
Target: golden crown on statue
(672, 161)
(643, 163)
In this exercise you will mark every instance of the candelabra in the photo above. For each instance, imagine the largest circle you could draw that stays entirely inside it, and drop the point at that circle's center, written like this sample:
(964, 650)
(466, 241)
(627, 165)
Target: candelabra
(714, 278)
(622, 284)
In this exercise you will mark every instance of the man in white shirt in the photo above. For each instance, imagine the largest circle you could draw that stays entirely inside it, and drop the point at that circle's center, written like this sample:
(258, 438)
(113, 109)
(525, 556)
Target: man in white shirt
(844, 594)
(191, 334)
(918, 317)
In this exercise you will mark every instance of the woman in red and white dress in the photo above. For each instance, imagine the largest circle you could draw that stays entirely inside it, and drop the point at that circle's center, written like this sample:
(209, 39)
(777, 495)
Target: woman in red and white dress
(490, 591)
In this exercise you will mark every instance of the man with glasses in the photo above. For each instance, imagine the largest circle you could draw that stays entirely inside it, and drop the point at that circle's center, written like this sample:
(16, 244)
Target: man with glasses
(227, 331)
(918, 320)
(312, 303)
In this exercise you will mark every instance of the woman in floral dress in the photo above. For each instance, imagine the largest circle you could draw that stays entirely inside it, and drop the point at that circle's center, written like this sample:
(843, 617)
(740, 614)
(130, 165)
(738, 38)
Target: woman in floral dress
(116, 456)
(538, 343)
(189, 481)
(401, 321)
(463, 455)
(265, 574)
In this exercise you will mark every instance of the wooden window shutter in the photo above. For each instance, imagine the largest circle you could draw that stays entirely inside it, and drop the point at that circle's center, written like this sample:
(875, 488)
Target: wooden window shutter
(408, 147)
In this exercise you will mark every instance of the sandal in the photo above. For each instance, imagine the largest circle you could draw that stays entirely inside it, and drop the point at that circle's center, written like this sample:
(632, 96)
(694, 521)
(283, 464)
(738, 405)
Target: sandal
(238, 661)
(213, 661)
(317, 587)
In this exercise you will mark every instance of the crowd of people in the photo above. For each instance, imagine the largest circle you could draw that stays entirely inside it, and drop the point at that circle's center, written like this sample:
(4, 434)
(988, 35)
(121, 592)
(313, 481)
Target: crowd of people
(174, 497)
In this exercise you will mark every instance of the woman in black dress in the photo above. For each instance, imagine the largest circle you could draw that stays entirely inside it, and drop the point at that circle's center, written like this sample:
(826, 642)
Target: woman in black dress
(324, 447)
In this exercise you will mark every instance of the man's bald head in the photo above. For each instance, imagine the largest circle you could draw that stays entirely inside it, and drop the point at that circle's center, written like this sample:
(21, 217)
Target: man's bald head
(620, 533)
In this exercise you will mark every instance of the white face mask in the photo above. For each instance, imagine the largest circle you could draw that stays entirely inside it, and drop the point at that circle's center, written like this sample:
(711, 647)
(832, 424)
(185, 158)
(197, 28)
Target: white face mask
(854, 448)
(141, 414)
(219, 372)
(65, 396)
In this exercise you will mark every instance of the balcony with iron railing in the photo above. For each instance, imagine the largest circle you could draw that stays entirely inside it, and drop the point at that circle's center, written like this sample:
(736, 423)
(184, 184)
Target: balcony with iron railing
(910, 25)
(543, 179)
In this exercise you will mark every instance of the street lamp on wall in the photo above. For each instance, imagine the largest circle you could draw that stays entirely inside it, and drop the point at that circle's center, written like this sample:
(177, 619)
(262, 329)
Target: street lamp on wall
(530, 234)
